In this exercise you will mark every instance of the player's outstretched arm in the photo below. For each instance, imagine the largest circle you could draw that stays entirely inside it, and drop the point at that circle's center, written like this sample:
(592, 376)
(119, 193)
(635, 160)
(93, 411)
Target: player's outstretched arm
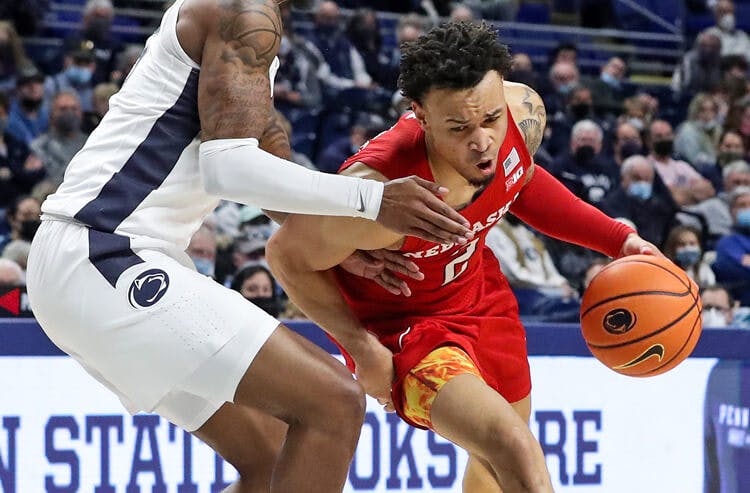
(300, 255)
(234, 102)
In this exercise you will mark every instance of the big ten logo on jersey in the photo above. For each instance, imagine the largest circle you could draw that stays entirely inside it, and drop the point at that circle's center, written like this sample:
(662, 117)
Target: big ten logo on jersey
(570, 443)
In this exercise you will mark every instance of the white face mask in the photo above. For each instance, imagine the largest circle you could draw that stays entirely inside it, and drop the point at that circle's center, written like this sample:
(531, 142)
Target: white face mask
(714, 318)
(727, 22)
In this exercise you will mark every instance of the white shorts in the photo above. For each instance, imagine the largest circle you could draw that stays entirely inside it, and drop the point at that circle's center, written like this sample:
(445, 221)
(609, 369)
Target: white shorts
(143, 323)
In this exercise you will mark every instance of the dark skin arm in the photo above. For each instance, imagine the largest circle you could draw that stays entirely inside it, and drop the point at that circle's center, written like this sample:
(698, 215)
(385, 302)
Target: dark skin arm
(234, 42)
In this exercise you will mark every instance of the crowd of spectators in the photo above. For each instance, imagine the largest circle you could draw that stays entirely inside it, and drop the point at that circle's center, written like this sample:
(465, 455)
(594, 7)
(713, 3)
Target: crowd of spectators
(674, 168)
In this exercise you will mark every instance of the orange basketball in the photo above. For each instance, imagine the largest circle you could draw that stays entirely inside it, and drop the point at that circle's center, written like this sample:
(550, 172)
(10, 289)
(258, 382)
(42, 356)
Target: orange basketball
(641, 315)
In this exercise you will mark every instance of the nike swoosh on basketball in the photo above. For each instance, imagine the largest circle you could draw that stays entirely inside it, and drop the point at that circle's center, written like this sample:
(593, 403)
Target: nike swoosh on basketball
(655, 350)
(361, 207)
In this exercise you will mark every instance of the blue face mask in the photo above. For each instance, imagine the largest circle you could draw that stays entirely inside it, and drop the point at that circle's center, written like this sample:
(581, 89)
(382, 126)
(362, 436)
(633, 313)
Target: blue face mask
(743, 218)
(611, 80)
(204, 266)
(78, 76)
(566, 88)
(640, 189)
(687, 256)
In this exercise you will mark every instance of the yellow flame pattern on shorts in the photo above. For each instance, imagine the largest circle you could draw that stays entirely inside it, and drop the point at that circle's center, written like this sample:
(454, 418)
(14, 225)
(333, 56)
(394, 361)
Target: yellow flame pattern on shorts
(424, 381)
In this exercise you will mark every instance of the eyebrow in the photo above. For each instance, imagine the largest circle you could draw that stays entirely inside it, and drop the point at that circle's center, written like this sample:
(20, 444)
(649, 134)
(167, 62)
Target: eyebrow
(486, 115)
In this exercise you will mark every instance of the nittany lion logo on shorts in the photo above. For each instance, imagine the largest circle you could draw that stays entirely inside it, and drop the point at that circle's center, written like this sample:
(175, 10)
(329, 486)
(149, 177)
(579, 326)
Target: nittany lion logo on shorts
(148, 288)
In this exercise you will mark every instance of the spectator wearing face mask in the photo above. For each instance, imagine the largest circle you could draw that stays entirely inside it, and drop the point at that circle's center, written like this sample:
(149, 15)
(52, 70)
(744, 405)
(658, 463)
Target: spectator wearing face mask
(23, 217)
(642, 198)
(628, 142)
(76, 76)
(738, 120)
(256, 284)
(579, 106)
(563, 77)
(29, 112)
(609, 90)
(683, 247)
(687, 186)
(700, 68)
(731, 148)
(584, 169)
(202, 250)
(102, 93)
(732, 265)
(96, 33)
(697, 137)
(718, 307)
(733, 41)
(64, 139)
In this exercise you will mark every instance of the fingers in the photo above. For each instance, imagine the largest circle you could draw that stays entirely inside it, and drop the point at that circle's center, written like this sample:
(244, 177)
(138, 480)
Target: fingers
(429, 185)
(430, 231)
(387, 405)
(392, 284)
(396, 262)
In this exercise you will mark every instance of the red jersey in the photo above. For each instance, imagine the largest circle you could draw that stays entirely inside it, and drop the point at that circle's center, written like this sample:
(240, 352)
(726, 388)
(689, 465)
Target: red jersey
(464, 293)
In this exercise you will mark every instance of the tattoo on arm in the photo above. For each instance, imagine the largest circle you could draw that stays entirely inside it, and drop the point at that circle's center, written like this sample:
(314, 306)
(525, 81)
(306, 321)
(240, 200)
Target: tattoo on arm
(275, 139)
(234, 92)
(533, 125)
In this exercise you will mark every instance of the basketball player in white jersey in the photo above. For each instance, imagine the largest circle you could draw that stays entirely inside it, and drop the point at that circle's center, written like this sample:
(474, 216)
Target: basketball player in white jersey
(110, 283)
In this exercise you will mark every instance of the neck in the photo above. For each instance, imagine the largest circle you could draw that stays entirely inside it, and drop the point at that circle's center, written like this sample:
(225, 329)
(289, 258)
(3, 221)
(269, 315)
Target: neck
(661, 159)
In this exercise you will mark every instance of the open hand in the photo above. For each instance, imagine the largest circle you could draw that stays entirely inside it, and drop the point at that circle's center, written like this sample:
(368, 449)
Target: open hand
(381, 266)
(635, 245)
(410, 206)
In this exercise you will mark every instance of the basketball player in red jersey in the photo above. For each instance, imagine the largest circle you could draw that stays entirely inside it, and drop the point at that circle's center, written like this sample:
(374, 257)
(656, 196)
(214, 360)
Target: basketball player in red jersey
(452, 356)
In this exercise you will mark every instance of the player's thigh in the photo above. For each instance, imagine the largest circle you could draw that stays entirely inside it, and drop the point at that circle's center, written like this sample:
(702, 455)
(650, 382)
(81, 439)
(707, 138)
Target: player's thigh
(523, 408)
(293, 379)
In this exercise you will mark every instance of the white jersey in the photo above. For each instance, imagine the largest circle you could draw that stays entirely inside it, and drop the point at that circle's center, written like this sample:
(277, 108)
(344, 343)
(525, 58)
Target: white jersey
(137, 175)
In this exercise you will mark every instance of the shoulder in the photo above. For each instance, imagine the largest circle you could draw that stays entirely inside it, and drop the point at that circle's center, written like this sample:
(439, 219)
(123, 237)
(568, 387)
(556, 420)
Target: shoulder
(528, 111)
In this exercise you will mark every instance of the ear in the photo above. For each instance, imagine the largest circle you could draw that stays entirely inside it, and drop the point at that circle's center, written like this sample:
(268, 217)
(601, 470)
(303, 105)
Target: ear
(419, 112)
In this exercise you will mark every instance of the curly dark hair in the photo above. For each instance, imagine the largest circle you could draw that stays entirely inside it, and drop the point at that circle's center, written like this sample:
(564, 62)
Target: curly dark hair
(454, 55)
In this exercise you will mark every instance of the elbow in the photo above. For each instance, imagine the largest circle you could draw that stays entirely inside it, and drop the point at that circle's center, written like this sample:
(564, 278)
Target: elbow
(285, 258)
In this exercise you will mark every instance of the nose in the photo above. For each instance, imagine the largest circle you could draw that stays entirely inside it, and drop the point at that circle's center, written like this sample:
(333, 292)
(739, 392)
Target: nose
(480, 140)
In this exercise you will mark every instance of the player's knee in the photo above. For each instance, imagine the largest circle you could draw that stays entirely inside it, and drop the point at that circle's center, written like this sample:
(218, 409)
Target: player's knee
(520, 446)
(348, 405)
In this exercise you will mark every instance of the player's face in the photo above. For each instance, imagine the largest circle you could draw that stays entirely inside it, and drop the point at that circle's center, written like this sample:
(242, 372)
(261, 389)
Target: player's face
(465, 128)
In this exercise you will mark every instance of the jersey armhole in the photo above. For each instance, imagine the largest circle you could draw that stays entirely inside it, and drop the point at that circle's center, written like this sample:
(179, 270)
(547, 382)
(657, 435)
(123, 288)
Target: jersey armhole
(168, 35)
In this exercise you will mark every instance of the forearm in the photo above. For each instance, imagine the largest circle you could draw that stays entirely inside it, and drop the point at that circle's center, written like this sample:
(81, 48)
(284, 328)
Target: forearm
(316, 294)
(547, 206)
(238, 170)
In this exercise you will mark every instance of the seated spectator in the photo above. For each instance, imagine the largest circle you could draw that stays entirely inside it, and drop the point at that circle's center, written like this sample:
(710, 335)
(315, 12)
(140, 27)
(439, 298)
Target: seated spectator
(102, 93)
(639, 111)
(565, 52)
(11, 274)
(687, 186)
(363, 32)
(608, 91)
(524, 258)
(733, 41)
(735, 174)
(256, 284)
(63, 140)
(96, 33)
(732, 265)
(700, 68)
(628, 142)
(23, 217)
(343, 59)
(683, 247)
(584, 169)
(202, 250)
(731, 148)
(409, 28)
(29, 112)
(718, 307)
(578, 106)
(15, 178)
(642, 199)
(738, 120)
(79, 65)
(696, 138)
(522, 70)
(563, 77)
(13, 57)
